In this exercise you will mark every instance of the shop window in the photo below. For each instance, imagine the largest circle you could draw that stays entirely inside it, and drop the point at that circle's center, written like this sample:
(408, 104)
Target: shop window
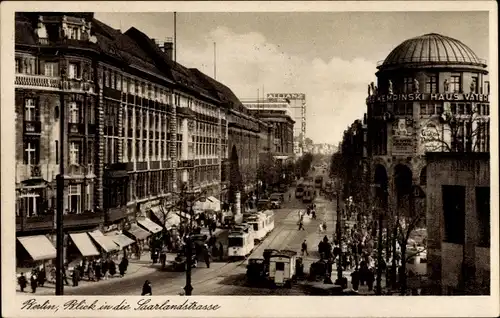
(483, 214)
(30, 204)
(74, 33)
(453, 200)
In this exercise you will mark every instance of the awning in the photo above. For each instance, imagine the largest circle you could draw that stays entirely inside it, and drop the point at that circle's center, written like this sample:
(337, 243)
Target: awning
(107, 244)
(137, 232)
(214, 203)
(149, 225)
(121, 239)
(172, 220)
(38, 246)
(84, 244)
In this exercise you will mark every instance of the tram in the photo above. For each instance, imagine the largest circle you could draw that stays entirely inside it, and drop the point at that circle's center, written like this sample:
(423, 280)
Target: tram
(240, 243)
(258, 224)
(269, 221)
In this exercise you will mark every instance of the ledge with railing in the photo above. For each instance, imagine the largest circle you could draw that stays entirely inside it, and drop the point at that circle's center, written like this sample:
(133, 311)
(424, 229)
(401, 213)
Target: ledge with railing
(37, 81)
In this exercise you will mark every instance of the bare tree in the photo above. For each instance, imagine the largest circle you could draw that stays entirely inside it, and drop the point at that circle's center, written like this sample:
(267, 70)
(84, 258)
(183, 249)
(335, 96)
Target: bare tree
(404, 225)
(458, 129)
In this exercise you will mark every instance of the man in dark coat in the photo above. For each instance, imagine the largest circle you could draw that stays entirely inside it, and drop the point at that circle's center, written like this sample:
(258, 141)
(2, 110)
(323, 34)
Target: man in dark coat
(34, 283)
(122, 267)
(112, 267)
(355, 279)
(221, 251)
(98, 270)
(41, 276)
(147, 289)
(76, 276)
(22, 282)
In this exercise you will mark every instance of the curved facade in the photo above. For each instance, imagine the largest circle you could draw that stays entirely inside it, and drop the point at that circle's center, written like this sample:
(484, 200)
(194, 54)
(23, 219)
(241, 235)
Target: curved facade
(431, 95)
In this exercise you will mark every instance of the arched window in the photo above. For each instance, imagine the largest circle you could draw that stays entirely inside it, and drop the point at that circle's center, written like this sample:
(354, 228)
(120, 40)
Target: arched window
(423, 176)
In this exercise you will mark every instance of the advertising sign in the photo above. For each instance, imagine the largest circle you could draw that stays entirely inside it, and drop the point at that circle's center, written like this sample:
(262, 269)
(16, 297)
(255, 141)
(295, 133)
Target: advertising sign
(285, 96)
(471, 97)
(402, 146)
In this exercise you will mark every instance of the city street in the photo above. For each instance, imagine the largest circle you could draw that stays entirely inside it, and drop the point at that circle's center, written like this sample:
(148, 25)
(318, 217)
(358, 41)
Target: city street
(223, 278)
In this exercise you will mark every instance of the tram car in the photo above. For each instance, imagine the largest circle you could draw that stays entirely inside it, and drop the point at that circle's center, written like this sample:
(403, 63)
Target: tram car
(269, 221)
(240, 243)
(258, 224)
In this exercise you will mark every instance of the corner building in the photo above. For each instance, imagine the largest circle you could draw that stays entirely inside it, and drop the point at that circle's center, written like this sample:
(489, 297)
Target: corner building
(431, 96)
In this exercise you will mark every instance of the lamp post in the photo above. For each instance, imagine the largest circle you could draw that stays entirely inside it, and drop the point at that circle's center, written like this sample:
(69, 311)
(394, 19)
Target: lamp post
(189, 251)
(339, 239)
(60, 192)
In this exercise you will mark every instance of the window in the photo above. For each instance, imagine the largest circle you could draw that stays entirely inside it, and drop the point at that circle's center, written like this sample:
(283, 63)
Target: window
(118, 82)
(453, 200)
(31, 204)
(57, 151)
(401, 109)
(408, 84)
(74, 113)
(74, 33)
(106, 78)
(473, 85)
(31, 152)
(431, 84)
(74, 200)
(112, 79)
(51, 69)
(483, 214)
(74, 153)
(280, 266)
(455, 82)
(486, 89)
(18, 66)
(73, 70)
(30, 110)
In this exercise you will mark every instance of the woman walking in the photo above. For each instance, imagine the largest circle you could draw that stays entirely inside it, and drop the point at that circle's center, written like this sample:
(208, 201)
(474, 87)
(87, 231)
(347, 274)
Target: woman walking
(147, 289)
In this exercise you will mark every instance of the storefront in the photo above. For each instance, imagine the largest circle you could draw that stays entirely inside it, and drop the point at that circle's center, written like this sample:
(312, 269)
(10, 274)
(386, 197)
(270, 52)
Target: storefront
(108, 247)
(33, 251)
(139, 235)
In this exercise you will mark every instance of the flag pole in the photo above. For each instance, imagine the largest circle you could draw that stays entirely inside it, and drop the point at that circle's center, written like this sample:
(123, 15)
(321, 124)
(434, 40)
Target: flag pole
(175, 36)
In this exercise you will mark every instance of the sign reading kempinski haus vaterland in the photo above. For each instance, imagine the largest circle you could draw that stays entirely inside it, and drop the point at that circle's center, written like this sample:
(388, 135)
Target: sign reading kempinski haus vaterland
(471, 97)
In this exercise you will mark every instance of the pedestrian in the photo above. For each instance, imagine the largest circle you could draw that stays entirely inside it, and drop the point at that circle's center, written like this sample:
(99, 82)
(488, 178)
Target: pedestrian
(122, 267)
(321, 228)
(147, 289)
(154, 256)
(163, 258)
(301, 225)
(221, 251)
(370, 279)
(324, 226)
(74, 277)
(304, 248)
(98, 270)
(112, 268)
(290, 197)
(41, 276)
(34, 283)
(64, 276)
(206, 256)
(355, 279)
(22, 282)
(313, 214)
(91, 272)
(105, 267)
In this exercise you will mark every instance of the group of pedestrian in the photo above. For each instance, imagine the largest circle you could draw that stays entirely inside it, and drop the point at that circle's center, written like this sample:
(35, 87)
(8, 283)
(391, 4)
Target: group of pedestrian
(37, 278)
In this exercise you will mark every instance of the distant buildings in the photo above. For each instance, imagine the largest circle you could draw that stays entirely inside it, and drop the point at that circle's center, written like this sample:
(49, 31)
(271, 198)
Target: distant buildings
(137, 125)
(295, 104)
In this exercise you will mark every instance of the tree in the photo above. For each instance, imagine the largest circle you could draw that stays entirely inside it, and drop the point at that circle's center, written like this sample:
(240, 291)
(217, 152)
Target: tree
(267, 171)
(304, 164)
(235, 179)
(457, 130)
(404, 225)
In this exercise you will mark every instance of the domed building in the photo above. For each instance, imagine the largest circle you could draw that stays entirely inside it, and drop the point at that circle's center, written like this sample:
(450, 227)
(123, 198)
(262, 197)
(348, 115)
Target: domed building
(431, 96)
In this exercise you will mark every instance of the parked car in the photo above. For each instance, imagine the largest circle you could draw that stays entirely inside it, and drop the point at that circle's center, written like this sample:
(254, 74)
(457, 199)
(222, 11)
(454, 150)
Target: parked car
(276, 200)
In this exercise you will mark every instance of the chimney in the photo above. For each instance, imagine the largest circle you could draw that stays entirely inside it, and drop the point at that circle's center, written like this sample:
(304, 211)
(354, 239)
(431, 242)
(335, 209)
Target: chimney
(168, 48)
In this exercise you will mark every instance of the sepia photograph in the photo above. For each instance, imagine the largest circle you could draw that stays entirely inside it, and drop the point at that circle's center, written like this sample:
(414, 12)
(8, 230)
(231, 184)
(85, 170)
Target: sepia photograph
(250, 153)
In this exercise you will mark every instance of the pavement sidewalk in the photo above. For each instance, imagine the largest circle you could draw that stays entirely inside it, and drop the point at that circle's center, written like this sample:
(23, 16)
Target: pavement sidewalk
(136, 268)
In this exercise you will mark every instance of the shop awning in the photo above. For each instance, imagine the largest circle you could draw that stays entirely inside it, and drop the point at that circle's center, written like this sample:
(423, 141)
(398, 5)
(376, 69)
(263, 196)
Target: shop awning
(173, 219)
(38, 246)
(137, 232)
(84, 244)
(107, 244)
(214, 203)
(150, 225)
(121, 239)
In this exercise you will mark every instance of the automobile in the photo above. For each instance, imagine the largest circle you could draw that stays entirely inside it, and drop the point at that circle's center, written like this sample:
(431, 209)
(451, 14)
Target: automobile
(276, 200)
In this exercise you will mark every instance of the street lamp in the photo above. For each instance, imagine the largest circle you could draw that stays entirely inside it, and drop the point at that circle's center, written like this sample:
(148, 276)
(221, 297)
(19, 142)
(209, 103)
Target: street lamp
(339, 239)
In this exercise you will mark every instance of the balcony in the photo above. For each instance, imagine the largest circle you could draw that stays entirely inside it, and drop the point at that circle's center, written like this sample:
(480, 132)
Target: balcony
(32, 127)
(37, 81)
(76, 129)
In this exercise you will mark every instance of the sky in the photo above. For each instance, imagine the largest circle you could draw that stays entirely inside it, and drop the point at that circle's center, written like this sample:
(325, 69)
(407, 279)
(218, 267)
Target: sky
(329, 56)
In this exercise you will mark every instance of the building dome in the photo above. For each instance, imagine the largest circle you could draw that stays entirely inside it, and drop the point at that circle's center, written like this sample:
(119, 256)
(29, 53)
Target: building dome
(432, 48)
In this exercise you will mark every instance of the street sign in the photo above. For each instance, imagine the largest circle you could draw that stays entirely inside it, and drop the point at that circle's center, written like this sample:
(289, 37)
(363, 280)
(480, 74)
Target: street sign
(418, 192)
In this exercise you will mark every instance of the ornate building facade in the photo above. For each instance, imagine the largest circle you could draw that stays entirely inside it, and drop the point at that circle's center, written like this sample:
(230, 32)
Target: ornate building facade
(139, 125)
